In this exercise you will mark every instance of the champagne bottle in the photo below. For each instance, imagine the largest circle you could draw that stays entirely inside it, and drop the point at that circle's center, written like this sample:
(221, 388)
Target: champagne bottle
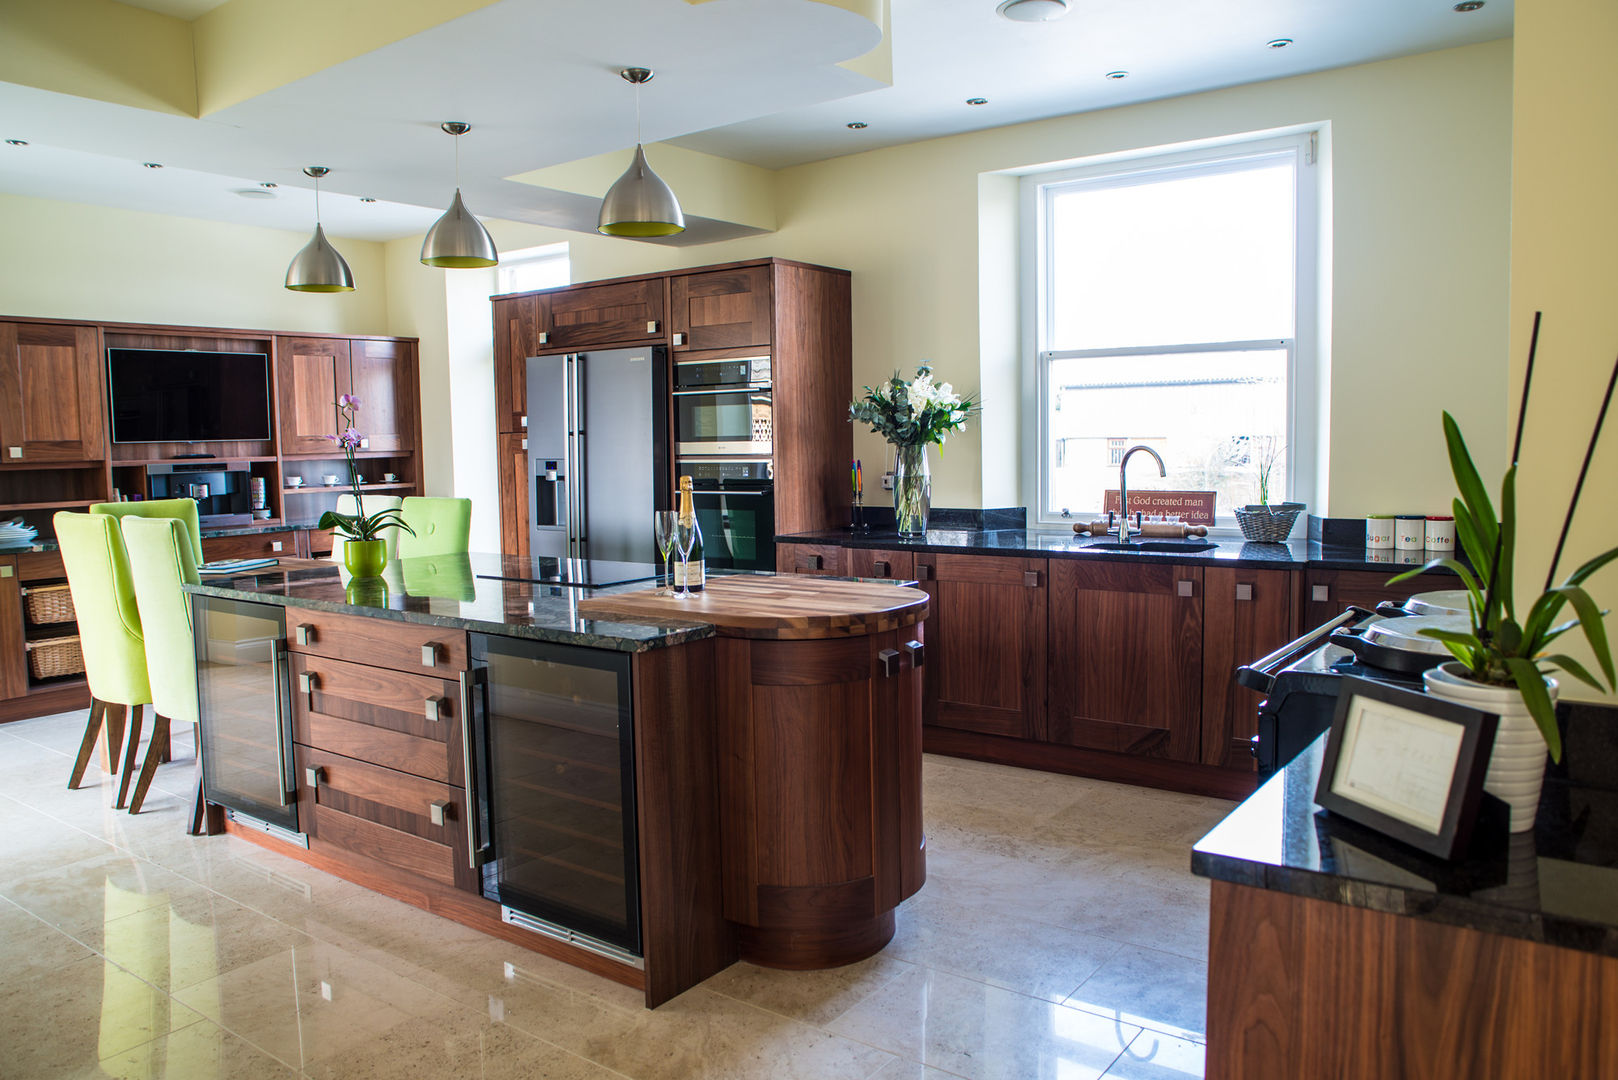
(691, 574)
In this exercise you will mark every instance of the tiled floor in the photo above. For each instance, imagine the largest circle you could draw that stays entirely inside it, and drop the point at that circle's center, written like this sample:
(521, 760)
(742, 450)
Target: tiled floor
(1059, 937)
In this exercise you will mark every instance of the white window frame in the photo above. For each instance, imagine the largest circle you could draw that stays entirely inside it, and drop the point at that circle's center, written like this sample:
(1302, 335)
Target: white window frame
(511, 261)
(1303, 361)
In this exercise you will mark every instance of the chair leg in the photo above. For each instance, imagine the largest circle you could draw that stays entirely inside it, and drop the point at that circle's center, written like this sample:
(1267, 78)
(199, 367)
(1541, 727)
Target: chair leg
(167, 749)
(154, 751)
(98, 709)
(113, 732)
(131, 748)
(205, 820)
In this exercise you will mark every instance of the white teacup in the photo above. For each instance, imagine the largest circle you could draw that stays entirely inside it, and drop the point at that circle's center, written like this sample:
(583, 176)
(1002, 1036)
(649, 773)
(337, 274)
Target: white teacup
(329, 480)
(294, 481)
(390, 478)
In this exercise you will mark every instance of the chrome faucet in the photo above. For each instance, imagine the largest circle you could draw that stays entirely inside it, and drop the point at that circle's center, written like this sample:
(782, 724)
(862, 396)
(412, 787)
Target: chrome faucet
(1123, 487)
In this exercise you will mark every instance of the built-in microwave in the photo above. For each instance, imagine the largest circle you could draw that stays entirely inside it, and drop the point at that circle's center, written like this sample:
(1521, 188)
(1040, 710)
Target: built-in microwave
(723, 407)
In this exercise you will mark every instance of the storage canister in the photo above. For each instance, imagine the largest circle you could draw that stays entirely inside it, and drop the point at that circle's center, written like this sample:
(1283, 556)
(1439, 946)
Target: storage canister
(1410, 532)
(1440, 533)
(1379, 532)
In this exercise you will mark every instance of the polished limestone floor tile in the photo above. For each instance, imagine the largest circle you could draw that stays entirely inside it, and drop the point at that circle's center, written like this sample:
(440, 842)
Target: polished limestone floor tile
(1060, 934)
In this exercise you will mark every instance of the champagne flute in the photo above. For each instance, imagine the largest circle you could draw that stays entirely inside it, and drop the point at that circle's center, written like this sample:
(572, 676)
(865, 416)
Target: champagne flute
(665, 522)
(685, 536)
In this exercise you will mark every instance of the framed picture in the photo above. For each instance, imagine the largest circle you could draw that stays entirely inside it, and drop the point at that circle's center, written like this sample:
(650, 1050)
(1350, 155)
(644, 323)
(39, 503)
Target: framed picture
(1406, 764)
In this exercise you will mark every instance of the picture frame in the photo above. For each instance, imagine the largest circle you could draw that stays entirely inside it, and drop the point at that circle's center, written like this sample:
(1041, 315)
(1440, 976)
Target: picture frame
(1406, 764)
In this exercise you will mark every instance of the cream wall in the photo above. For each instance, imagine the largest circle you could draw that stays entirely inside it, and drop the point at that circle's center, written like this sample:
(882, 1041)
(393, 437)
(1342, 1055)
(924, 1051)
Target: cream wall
(1563, 238)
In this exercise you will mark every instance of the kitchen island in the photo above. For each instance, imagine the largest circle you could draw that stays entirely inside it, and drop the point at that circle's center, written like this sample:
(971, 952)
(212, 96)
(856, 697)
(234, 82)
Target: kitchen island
(645, 787)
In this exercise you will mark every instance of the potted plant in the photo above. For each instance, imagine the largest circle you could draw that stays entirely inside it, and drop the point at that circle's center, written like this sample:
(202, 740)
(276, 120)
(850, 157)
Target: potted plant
(1504, 657)
(912, 415)
(1262, 521)
(365, 551)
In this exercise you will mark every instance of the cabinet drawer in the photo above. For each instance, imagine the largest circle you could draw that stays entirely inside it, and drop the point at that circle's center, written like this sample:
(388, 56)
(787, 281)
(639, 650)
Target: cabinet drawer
(386, 815)
(251, 546)
(618, 313)
(980, 569)
(428, 650)
(378, 714)
(869, 563)
(822, 559)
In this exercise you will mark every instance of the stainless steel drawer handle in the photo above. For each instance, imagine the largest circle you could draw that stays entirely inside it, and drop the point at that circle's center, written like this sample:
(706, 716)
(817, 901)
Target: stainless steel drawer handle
(312, 775)
(1183, 588)
(304, 633)
(429, 654)
(679, 339)
(275, 545)
(1244, 591)
(308, 682)
(924, 572)
(918, 653)
(544, 338)
(882, 569)
(435, 811)
(1320, 594)
(889, 659)
(433, 709)
(1030, 578)
(817, 562)
(651, 326)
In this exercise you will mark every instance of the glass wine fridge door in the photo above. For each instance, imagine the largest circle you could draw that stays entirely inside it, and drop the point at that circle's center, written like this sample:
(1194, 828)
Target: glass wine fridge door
(556, 784)
(244, 708)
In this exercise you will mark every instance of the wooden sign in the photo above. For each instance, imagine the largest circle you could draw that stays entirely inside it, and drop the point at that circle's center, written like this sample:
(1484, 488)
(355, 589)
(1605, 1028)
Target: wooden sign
(1191, 507)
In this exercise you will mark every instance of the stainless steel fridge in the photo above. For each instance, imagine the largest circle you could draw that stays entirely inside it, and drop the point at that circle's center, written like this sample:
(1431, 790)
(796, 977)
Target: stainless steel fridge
(597, 453)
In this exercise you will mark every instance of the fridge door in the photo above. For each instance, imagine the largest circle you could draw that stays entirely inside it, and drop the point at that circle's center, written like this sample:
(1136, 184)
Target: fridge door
(550, 455)
(622, 451)
(555, 773)
(244, 709)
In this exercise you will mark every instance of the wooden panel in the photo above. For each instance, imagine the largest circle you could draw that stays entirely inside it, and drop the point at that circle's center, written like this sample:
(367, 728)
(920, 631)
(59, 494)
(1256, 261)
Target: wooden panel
(813, 374)
(721, 309)
(987, 628)
(1366, 588)
(434, 759)
(379, 642)
(811, 663)
(739, 782)
(40, 565)
(401, 850)
(382, 374)
(1126, 658)
(684, 935)
(13, 659)
(773, 607)
(900, 857)
(310, 373)
(823, 559)
(613, 314)
(1247, 613)
(1312, 990)
(512, 462)
(281, 544)
(52, 401)
(875, 563)
(377, 696)
(515, 326)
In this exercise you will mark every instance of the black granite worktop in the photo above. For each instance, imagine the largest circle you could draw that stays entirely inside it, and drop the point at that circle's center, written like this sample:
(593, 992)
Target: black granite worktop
(1065, 543)
(476, 592)
(1557, 884)
(253, 529)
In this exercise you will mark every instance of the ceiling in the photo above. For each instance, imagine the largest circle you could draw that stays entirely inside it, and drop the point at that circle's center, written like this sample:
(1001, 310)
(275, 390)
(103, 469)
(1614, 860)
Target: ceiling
(758, 81)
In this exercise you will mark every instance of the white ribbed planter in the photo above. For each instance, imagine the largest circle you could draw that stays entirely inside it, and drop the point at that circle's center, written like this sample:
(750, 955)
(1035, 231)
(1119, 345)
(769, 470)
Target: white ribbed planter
(1517, 765)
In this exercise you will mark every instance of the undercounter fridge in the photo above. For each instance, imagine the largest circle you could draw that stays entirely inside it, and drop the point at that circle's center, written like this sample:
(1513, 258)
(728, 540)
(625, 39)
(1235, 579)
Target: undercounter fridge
(597, 453)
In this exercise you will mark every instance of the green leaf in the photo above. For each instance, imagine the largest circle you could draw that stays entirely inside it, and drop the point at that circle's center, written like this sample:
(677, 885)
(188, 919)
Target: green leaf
(1534, 695)
(1471, 543)
(1540, 614)
(1573, 668)
(1579, 576)
(1508, 543)
(1508, 638)
(1595, 631)
(1469, 483)
(331, 519)
(1458, 567)
(1452, 637)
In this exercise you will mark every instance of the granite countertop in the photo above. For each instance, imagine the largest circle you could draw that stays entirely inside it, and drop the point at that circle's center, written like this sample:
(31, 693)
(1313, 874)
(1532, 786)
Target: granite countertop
(1064, 543)
(1557, 885)
(471, 592)
(228, 530)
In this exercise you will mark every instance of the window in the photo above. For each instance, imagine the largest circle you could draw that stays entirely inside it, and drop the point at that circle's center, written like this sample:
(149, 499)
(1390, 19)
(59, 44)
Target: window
(1173, 297)
(534, 268)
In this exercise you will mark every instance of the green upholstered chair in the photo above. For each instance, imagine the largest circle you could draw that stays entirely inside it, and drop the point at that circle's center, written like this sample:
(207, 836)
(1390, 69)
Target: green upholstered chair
(92, 550)
(443, 527)
(184, 510)
(371, 503)
(160, 561)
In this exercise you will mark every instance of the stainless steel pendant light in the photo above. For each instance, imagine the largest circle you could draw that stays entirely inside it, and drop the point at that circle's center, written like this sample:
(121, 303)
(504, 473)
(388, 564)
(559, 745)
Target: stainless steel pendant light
(458, 240)
(640, 203)
(318, 267)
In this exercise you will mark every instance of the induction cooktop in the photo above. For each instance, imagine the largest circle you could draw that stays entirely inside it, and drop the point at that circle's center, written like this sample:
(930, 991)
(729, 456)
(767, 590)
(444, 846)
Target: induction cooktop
(579, 573)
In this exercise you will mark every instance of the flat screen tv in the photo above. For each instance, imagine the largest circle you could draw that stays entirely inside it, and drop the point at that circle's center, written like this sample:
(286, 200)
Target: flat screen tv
(168, 395)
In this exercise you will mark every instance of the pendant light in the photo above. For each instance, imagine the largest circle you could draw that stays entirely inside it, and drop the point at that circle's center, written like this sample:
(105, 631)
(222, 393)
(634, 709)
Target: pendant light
(318, 267)
(640, 203)
(458, 240)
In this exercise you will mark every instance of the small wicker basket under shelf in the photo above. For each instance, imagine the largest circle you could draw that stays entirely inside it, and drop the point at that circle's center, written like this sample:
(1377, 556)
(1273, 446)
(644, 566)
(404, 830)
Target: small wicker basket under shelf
(46, 604)
(55, 657)
(1268, 524)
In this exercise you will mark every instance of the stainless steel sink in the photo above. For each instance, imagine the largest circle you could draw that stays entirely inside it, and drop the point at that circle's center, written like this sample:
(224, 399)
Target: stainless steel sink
(1155, 545)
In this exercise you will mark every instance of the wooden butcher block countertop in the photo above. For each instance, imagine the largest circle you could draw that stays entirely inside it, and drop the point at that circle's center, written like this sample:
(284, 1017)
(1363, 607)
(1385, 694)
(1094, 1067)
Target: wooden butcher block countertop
(781, 607)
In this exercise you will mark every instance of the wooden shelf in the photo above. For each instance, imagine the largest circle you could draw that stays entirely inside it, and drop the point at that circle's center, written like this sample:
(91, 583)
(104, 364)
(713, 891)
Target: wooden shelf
(60, 682)
(49, 466)
(252, 459)
(336, 454)
(65, 504)
(342, 488)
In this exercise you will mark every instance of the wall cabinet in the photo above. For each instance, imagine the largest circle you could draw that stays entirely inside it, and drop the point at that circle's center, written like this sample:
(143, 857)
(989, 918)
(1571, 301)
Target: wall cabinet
(516, 338)
(1126, 658)
(987, 628)
(1246, 614)
(382, 374)
(613, 313)
(311, 373)
(52, 400)
(721, 309)
(511, 448)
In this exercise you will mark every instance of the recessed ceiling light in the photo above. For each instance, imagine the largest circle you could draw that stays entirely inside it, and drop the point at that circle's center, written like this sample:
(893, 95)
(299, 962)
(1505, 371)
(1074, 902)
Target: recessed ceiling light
(366, 198)
(16, 142)
(1117, 74)
(1468, 5)
(977, 101)
(151, 164)
(1033, 10)
(255, 193)
(268, 184)
(1279, 43)
(858, 125)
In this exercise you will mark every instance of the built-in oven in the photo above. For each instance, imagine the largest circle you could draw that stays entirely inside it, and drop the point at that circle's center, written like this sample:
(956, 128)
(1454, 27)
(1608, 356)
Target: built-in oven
(722, 406)
(735, 504)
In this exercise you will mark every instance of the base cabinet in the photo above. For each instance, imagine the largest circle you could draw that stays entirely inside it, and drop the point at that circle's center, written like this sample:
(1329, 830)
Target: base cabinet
(1246, 614)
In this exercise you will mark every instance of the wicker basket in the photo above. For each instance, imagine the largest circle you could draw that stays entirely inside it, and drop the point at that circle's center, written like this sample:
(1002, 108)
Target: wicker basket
(46, 604)
(55, 656)
(1268, 524)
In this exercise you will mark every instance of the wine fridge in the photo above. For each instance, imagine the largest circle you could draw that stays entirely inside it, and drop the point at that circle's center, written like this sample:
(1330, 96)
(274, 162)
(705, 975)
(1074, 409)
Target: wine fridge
(551, 757)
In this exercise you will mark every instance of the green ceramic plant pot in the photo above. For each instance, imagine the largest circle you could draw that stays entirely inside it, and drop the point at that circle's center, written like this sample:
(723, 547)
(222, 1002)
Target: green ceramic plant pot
(365, 558)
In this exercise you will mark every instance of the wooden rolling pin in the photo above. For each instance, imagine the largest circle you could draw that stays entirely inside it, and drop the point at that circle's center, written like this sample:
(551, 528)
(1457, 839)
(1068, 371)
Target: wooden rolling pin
(1170, 530)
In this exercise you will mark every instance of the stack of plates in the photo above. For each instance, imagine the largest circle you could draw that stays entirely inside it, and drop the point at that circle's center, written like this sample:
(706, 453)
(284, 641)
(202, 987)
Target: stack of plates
(15, 532)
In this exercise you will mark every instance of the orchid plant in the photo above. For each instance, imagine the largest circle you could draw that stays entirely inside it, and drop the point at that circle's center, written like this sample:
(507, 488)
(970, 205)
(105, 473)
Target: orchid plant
(358, 525)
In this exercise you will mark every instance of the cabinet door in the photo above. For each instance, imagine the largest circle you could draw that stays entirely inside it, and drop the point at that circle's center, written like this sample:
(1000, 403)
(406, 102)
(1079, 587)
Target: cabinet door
(51, 397)
(1329, 592)
(516, 326)
(874, 563)
(624, 313)
(513, 465)
(1126, 657)
(13, 656)
(822, 560)
(1247, 613)
(897, 695)
(985, 669)
(311, 373)
(382, 374)
(721, 309)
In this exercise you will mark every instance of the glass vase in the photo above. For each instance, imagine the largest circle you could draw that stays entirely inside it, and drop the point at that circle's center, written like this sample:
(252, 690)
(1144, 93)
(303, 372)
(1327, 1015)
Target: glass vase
(912, 491)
